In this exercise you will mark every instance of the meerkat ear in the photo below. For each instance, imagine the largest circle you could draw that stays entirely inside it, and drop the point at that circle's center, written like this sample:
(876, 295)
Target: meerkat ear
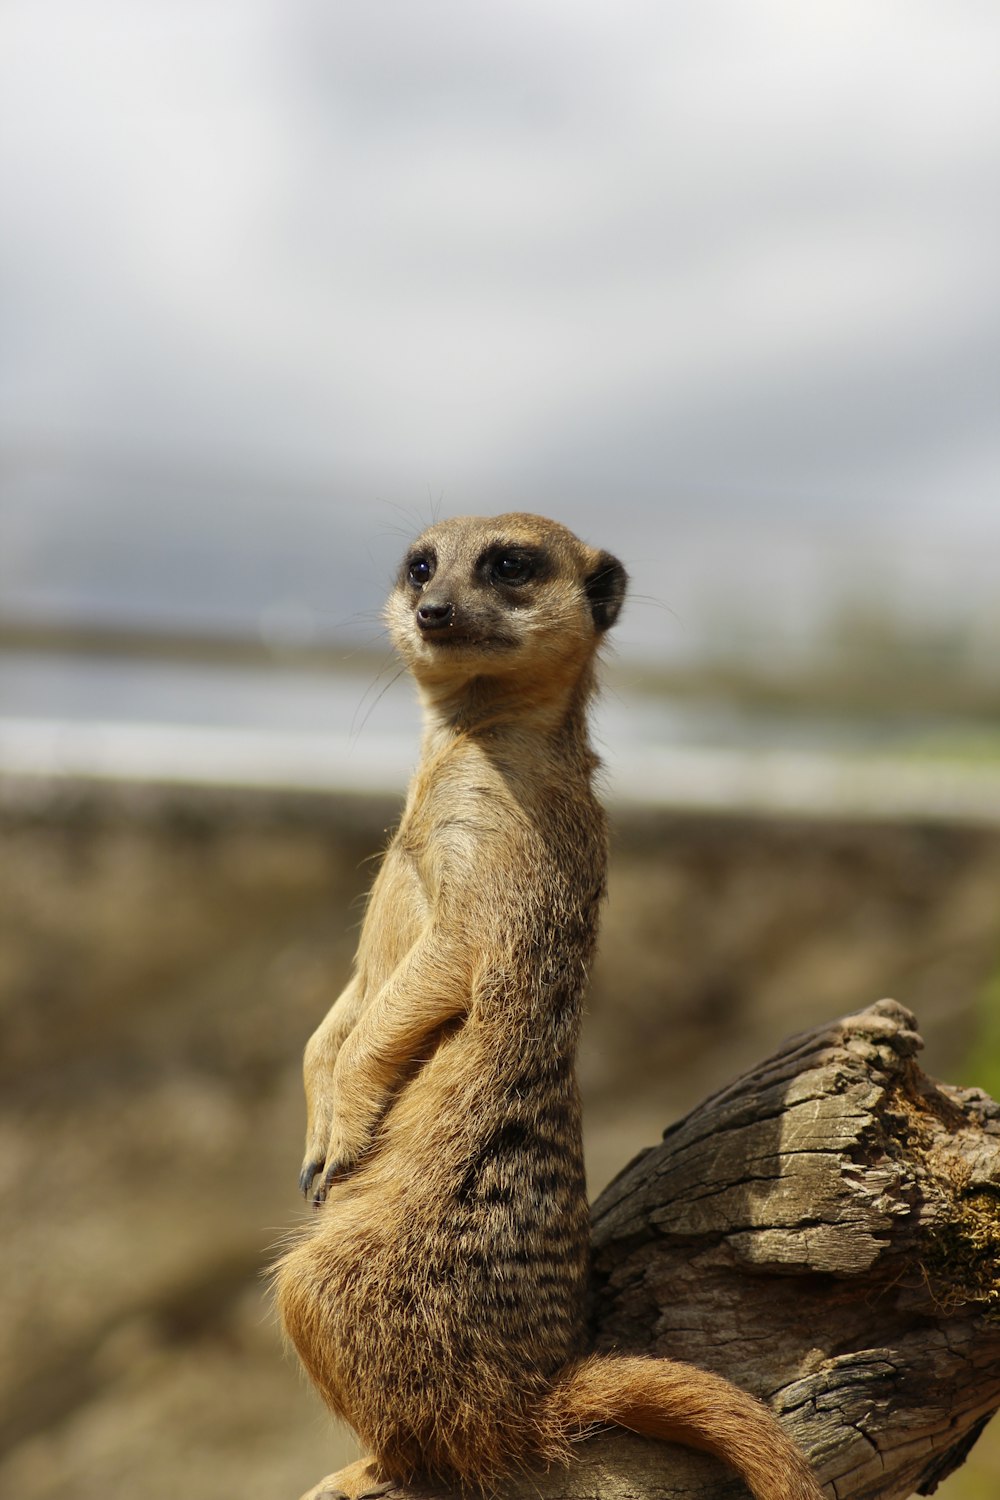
(605, 585)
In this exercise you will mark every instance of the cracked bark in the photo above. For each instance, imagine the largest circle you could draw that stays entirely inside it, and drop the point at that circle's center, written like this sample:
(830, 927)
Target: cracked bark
(825, 1232)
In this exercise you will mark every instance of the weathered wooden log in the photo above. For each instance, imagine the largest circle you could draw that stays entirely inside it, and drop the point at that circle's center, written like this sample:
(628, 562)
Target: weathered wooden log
(826, 1232)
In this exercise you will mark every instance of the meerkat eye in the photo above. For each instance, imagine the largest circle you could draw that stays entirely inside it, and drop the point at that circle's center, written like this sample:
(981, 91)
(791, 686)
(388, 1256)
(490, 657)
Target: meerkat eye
(420, 571)
(510, 567)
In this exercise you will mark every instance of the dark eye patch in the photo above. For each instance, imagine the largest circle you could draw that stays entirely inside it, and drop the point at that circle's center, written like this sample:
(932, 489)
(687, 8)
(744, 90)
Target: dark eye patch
(419, 568)
(512, 566)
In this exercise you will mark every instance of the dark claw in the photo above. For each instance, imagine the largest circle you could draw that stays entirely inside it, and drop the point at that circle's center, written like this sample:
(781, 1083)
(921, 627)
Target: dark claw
(335, 1172)
(306, 1176)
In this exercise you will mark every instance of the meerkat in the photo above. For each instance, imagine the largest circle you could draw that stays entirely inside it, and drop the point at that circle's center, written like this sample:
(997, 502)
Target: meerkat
(438, 1298)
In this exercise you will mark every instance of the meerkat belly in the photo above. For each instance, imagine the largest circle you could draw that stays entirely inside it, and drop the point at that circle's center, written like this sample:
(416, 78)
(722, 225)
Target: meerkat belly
(496, 1155)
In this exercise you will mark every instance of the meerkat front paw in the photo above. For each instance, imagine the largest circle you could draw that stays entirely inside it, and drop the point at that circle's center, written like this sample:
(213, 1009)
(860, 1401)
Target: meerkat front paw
(313, 1166)
(331, 1152)
(343, 1155)
(310, 1167)
(335, 1172)
(316, 1156)
(345, 1149)
(360, 1481)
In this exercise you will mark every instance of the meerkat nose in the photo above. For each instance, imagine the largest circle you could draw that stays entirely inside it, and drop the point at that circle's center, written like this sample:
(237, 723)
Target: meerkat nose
(435, 616)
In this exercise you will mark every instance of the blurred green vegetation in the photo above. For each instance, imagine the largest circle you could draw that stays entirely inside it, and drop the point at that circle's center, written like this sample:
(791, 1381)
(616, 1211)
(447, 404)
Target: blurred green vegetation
(983, 1066)
(960, 745)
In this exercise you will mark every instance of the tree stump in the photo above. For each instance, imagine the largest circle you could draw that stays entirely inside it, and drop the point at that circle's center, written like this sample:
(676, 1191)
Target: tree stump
(825, 1232)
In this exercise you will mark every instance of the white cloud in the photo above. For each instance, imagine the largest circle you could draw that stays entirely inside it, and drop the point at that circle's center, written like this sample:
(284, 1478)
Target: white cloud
(746, 252)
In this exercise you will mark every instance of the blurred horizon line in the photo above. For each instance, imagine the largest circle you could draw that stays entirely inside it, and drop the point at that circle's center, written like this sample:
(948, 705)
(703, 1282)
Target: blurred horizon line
(39, 757)
(858, 668)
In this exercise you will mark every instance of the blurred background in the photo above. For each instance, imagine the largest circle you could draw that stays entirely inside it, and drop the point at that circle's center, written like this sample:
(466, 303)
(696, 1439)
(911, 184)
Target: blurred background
(712, 283)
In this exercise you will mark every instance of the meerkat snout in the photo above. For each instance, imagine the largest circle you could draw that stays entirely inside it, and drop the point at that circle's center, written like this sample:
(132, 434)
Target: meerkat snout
(431, 616)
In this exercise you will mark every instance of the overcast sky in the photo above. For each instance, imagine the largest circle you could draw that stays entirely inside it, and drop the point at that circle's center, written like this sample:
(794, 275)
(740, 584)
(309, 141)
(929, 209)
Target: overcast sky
(714, 281)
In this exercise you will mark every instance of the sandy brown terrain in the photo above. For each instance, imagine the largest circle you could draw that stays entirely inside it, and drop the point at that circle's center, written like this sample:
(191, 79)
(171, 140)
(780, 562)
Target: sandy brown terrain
(164, 955)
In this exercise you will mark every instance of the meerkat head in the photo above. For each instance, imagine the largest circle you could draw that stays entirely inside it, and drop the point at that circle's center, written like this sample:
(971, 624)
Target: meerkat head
(509, 596)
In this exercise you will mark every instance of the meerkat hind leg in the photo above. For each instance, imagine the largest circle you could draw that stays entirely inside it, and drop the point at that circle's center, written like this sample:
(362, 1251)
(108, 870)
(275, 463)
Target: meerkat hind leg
(359, 1481)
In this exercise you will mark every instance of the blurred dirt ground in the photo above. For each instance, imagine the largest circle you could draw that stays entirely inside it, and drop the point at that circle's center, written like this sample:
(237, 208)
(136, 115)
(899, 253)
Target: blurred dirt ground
(163, 957)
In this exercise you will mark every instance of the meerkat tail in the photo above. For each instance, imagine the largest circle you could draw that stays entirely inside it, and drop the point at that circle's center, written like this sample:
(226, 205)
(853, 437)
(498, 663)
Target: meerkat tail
(678, 1403)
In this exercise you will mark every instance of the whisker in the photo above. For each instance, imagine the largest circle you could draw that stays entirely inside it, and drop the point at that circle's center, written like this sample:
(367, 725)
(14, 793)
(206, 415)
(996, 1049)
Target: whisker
(387, 662)
(355, 732)
(435, 506)
(654, 602)
(411, 514)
